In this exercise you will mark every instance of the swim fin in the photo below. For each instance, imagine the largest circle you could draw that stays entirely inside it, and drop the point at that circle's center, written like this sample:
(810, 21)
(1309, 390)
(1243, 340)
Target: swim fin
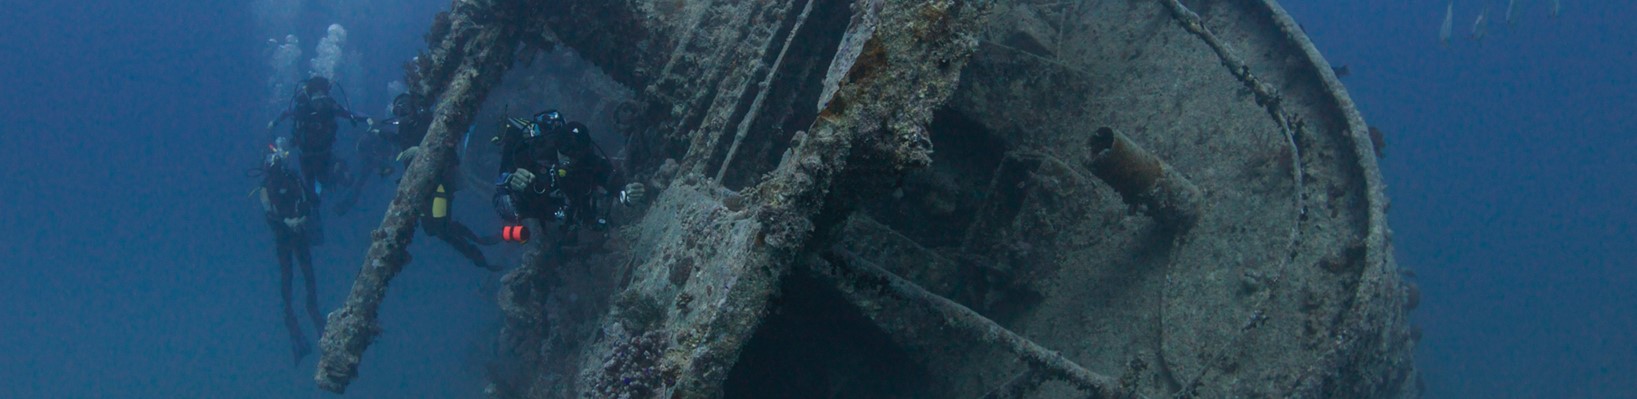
(299, 350)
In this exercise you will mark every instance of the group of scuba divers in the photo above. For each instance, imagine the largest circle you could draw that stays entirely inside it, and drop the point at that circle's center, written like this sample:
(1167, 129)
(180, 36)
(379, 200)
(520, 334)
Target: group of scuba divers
(550, 171)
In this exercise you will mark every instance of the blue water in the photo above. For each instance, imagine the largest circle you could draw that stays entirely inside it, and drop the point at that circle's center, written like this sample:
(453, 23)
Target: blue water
(134, 263)
(1510, 164)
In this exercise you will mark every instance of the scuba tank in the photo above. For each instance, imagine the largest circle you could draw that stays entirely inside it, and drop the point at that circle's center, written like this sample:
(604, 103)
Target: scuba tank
(440, 203)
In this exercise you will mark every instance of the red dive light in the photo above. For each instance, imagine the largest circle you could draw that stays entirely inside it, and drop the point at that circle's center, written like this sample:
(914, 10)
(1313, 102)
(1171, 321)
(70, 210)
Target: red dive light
(517, 234)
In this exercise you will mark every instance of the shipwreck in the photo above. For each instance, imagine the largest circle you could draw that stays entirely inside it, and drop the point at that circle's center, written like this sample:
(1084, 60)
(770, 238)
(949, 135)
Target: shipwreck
(930, 198)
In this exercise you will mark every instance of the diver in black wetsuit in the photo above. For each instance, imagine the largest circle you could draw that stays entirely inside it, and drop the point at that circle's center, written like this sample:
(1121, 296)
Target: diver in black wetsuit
(314, 112)
(406, 129)
(375, 151)
(411, 116)
(383, 145)
(287, 207)
(550, 171)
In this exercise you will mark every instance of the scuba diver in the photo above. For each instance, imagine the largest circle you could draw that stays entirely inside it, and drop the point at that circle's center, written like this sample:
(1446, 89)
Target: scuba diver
(401, 134)
(411, 115)
(410, 119)
(375, 151)
(387, 142)
(549, 171)
(314, 111)
(288, 206)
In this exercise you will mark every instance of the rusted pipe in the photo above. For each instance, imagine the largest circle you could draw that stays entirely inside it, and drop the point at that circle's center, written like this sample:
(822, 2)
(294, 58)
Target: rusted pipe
(1143, 179)
(862, 276)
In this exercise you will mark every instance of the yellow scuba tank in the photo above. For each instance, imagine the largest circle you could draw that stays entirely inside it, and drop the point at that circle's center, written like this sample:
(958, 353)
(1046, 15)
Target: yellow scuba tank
(440, 203)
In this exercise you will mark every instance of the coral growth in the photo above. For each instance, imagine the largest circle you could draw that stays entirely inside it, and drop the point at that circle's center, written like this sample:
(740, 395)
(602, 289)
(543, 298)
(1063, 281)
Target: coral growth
(634, 369)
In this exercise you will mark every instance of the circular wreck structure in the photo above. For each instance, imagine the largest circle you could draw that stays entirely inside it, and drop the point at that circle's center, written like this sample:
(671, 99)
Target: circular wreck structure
(873, 198)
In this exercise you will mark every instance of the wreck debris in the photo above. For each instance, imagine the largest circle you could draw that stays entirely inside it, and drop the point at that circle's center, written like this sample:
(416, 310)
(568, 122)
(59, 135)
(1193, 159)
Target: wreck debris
(861, 276)
(1143, 179)
(476, 54)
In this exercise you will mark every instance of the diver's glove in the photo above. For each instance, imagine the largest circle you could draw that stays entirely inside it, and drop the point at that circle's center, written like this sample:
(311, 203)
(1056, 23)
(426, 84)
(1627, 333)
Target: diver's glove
(520, 180)
(296, 223)
(633, 194)
(409, 154)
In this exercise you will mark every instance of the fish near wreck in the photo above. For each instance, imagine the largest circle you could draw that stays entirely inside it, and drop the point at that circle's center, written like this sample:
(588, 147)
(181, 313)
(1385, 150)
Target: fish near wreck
(1449, 23)
(1019, 258)
(1480, 26)
(1511, 8)
(1378, 141)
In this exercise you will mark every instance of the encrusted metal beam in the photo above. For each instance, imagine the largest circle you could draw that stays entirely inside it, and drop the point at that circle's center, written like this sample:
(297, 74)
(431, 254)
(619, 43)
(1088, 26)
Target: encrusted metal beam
(479, 54)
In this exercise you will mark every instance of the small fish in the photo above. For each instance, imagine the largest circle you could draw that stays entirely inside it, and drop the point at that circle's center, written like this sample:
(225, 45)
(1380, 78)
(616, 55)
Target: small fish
(1340, 71)
(1449, 22)
(467, 142)
(1480, 26)
(1557, 8)
(1378, 141)
(1511, 7)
